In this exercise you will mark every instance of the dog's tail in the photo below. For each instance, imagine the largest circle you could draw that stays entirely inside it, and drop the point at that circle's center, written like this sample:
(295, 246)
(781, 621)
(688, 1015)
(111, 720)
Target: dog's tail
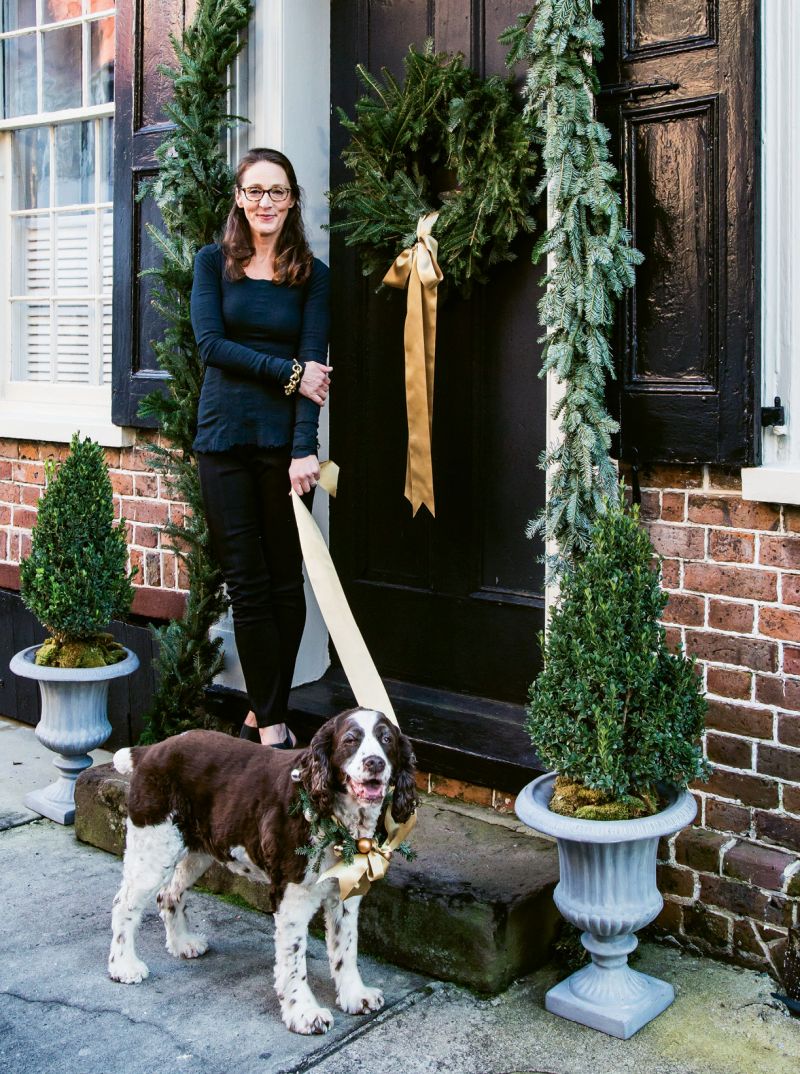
(123, 761)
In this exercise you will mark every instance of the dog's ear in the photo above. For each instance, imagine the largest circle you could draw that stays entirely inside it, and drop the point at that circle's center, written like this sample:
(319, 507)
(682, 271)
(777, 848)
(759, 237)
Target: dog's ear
(316, 773)
(404, 799)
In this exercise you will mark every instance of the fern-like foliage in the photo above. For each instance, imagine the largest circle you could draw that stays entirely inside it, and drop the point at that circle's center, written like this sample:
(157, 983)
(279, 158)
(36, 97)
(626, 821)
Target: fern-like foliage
(193, 192)
(443, 140)
(593, 261)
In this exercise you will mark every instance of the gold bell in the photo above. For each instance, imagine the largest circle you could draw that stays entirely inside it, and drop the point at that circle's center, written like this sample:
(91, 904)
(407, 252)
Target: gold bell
(364, 846)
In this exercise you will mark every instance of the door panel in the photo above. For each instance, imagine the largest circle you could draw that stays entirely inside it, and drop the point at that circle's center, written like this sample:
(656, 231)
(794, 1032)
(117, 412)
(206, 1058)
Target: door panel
(453, 602)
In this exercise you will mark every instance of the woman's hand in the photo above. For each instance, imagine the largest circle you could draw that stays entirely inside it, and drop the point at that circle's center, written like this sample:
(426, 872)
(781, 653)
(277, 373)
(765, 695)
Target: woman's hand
(304, 473)
(315, 381)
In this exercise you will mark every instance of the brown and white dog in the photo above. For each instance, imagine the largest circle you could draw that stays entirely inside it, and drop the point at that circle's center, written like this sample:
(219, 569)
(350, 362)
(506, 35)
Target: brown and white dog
(203, 797)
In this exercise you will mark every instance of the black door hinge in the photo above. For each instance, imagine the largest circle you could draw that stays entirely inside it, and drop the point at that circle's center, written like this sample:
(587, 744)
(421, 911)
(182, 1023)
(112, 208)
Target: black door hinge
(773, 415)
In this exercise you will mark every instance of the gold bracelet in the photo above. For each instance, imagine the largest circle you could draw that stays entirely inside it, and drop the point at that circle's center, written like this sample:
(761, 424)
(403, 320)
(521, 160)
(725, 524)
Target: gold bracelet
(294, 380)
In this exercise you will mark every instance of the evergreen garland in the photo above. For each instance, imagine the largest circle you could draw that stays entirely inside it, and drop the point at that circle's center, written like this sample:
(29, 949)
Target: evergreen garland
(445, 140)
(594, 261)
(193, 192)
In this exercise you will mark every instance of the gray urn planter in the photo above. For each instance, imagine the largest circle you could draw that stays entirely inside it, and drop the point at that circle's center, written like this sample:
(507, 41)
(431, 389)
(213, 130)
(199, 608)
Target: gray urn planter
(74, 720)
(608, 889)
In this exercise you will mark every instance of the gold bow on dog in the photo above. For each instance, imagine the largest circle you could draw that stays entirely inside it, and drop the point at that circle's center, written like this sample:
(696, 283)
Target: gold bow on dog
(417, 267)
(356, 877)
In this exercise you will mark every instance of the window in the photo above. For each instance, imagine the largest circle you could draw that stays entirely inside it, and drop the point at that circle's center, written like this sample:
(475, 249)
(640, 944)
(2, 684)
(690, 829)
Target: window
(56, 219)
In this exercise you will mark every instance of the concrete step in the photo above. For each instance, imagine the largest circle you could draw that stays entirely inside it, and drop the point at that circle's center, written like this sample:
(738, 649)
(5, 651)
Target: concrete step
(474, 907)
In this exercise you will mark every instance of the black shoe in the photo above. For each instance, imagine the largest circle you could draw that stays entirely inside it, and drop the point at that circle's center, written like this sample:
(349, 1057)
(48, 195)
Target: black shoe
(250, 733)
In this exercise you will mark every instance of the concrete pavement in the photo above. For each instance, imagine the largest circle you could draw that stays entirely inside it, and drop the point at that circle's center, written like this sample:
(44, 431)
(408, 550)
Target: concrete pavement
(218, 1015)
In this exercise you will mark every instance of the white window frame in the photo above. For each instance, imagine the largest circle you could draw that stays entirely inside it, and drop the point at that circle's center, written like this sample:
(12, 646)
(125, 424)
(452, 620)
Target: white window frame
(777, 480)
(36, 410)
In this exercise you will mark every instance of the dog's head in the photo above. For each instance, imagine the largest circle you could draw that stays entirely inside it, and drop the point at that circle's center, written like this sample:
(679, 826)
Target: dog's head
(360, 752)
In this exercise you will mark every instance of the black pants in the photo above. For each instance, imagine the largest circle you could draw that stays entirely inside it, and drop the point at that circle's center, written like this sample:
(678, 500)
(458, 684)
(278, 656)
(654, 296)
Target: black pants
(254, 537)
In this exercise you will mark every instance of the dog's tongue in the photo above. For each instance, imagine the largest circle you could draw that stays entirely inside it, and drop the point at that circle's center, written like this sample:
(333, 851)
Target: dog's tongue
(370, 791)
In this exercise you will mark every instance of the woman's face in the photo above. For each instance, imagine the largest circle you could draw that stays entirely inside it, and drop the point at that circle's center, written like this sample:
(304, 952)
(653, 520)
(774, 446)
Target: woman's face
(266, 217)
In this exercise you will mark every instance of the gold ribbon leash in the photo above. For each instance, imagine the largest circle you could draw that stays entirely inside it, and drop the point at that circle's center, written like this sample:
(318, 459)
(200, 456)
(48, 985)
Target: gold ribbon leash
(358, 666)
(417, 269)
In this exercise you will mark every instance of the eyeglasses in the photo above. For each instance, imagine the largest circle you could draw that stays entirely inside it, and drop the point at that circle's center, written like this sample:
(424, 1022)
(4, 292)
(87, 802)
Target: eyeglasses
(277, 194)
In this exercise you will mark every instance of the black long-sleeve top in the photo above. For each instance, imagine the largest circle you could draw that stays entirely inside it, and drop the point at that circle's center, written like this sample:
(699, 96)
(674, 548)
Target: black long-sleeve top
(248, 333)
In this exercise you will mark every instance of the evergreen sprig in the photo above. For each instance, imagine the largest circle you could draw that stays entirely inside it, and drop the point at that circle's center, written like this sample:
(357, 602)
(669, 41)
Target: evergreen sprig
(327, 831)
(192, 190)
(613, 708)
(593, 261)
(447, 140)
(75, 579)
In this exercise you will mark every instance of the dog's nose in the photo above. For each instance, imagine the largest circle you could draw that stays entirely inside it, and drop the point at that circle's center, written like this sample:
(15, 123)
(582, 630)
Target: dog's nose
(374, 765)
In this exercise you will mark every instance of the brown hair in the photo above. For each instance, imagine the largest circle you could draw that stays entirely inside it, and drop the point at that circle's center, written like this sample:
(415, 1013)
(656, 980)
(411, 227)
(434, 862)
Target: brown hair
(293, 257)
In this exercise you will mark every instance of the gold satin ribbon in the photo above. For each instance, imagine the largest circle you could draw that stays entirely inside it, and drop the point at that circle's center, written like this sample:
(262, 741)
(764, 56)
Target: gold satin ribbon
(358, 666)
(418, 269)
(365, 869)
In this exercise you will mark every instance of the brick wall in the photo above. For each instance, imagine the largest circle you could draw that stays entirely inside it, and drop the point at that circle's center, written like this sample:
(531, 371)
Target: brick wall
(140, 496)
(732, 571)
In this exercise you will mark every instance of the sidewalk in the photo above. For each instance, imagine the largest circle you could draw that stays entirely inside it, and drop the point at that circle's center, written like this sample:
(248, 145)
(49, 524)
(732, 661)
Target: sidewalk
(218, 1014)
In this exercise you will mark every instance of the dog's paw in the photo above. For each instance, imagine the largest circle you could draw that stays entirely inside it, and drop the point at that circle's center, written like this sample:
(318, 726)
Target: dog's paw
(360, 1000)
(308, 1020)
(127, 970)
(192, 946)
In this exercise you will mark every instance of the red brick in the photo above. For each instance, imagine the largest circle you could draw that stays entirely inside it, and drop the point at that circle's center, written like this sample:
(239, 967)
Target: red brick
(650, 507)
(9, 492)
(685, 609)
(734, 512)
(24, 545)
(791, 518)
(791, 799)
(112, 456)
(684, 542)
(183, 576)
(756, 865)
(779, 829)
(673, 506)
(739, 719)
(725, 817)
(699, 849)
(778, 690)
(745, 938)
(145, 536)
(779, 623)
(778, 762)
(703, 924)
(3, 545)
(5, 514)
(24, 518)
(731, 547)
(28, 473)
(673, 880)
(422, 780)
(751, 653)
(135, 458)
(145, 485)
(152, 511)
(730, 615)
(790, 589)
(732, 895)
(30, 449)
(9, 449)
(673, 640)
(168, 571)
(670, 918)
(725, 477)
(780, 552)
(121, 483)
(749, 790)
(5, 469)
(791, 660)
(670, 573)
(729, 750)
(672, 477)
(30, 494)
(152, 569)
(728, 683)
(731, 581)
(137, 565)
(789, 729)
(778, 911)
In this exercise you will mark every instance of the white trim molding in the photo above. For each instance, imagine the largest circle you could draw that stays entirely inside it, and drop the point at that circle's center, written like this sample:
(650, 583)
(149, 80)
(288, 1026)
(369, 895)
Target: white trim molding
(778, 479)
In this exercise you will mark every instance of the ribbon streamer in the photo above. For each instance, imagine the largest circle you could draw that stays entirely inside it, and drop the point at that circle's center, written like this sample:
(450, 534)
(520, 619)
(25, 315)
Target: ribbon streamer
(358, 666)
(417, 269)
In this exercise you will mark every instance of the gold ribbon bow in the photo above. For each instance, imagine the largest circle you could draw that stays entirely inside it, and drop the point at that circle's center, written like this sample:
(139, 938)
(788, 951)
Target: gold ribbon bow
(356, 878)
(417, 268)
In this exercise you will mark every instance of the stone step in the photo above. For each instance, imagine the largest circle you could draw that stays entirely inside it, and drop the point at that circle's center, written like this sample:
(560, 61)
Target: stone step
(474, 907)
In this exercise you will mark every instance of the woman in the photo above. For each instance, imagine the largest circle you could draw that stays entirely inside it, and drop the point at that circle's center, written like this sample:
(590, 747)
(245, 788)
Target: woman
(260, 316)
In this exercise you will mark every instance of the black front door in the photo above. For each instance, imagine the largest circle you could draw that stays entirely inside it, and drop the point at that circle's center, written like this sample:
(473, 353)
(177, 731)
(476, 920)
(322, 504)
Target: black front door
(453, 602)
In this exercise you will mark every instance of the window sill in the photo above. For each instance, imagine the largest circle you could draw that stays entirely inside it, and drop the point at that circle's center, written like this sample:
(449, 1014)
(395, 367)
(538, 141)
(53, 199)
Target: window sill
(771, 484)
(56, 424)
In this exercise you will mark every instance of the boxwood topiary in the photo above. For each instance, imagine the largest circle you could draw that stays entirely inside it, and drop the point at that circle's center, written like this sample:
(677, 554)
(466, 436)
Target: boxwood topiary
(75, 579)
(614, 712)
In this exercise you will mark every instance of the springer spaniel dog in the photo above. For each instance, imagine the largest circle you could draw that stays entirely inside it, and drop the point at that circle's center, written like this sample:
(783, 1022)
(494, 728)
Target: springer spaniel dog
(203, 796)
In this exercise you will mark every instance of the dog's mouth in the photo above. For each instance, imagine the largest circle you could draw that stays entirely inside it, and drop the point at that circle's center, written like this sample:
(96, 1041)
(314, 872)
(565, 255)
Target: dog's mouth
(370, 790)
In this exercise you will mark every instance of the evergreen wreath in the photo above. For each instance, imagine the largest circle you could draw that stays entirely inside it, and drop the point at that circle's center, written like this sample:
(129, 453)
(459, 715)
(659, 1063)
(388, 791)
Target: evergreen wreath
(192, 191)
(593, 261)
(445, 140)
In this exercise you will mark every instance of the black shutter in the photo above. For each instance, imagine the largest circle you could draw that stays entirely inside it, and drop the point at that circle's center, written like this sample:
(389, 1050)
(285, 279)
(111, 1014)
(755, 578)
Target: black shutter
(681, 96)
(143, 28)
